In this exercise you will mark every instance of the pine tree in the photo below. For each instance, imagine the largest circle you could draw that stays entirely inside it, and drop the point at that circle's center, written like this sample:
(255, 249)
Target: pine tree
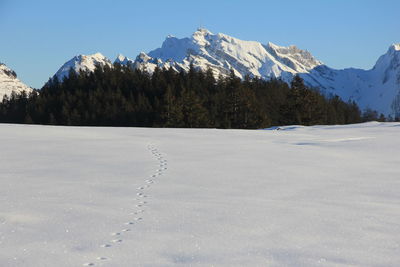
(194, 114)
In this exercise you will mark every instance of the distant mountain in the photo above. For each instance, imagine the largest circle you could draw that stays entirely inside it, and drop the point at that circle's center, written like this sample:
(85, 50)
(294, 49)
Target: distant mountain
(82, 63)
(10, 83)
(123, 60)
(378, 88)
(221, 53)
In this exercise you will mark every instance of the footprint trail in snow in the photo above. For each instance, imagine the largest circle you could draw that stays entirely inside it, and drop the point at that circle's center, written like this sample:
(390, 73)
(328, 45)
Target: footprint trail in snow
(117, 236)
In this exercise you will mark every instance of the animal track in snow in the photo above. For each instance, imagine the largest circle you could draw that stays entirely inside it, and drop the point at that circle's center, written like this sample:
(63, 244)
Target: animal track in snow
(140, 204)
(141, 195)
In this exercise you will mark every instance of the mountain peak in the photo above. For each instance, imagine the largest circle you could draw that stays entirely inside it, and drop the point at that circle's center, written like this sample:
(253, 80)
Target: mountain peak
(395, 47)
(83, 63)
(120, 57)
(143, 57)
(389, 60)
(10, 83)
(123, 60)
(294, 57)
(202, 31)
(4, 70)
(98, 56)
(272, 45)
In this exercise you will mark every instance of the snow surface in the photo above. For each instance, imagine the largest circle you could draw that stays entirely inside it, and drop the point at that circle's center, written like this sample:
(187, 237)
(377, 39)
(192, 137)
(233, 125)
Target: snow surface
(10, 83)
(287, 196)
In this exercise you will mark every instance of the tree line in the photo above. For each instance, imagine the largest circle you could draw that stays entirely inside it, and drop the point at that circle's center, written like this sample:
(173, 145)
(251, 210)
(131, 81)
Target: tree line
(122, 96)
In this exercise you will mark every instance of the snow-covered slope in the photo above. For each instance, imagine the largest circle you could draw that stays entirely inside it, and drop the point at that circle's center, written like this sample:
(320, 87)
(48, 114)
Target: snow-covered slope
(378, 88)
(123, 197)
(221, 53)
(82, 63)
(123, 60)
(9, 82)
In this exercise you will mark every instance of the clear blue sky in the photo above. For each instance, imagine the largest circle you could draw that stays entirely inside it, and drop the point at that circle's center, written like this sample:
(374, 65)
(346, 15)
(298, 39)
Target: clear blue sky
(37, 37)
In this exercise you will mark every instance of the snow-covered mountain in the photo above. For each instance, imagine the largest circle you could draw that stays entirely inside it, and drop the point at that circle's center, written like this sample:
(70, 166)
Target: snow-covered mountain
(10, 83)
(221, 53)
(123, 60)
(82, 63)
(378, 88)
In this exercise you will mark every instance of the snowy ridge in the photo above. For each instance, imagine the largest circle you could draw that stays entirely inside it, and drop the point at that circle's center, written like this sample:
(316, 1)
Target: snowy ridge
(222, 52)
(378, 88)
(123, 60)
(83, 63)
(10, 83)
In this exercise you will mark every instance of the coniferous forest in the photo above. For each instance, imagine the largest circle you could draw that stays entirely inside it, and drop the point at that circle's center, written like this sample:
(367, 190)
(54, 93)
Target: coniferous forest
(122, 96)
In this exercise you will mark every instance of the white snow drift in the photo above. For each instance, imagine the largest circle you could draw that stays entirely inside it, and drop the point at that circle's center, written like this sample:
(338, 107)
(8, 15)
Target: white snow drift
(298, 196)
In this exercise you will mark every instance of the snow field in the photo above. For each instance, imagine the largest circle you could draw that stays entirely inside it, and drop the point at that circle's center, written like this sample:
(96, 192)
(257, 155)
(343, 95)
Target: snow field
(298, 196)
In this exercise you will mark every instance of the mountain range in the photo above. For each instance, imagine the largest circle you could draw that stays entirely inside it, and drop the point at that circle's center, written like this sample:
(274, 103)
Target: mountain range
(377, 88)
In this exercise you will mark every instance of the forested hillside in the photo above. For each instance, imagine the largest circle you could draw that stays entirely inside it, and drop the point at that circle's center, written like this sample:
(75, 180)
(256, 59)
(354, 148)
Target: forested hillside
(121, 96)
